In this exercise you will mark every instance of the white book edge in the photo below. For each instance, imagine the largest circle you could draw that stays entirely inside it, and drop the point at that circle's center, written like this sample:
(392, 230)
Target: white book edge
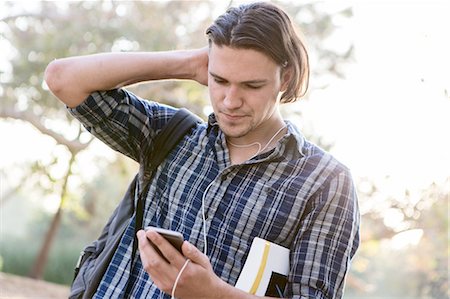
(264, 258)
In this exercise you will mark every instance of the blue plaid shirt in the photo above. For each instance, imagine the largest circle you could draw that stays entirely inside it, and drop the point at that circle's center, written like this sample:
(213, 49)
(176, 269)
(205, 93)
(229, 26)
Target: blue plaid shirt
(296, 195)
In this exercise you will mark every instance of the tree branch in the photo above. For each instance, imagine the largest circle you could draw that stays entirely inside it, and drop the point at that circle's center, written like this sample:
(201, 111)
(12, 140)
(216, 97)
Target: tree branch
(74, 146)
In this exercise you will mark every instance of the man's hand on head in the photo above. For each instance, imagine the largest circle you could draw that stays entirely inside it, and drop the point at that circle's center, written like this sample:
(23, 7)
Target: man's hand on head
(200, 65)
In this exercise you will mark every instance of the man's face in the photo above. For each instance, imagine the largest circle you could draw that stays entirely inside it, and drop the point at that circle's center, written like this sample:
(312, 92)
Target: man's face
(244, 87)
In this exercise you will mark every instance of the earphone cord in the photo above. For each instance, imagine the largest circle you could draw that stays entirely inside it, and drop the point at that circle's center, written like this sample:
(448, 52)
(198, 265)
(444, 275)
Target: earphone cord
(205, 249)
(271, 139)
(178, 277)
(260, 149)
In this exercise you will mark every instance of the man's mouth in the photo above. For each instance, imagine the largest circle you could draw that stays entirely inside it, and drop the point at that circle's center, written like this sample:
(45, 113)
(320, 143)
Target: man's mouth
(233, 117)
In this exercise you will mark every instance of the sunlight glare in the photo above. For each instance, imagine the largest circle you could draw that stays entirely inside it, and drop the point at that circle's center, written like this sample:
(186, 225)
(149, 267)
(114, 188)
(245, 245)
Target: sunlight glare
(406, 239)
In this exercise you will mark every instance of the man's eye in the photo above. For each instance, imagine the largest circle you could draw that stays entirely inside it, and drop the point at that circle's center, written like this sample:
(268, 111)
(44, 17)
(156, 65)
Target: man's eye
(219, 81)
(254, 86)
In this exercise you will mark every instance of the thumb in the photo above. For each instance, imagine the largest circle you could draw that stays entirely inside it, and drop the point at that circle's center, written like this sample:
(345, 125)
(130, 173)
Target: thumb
(191, 252)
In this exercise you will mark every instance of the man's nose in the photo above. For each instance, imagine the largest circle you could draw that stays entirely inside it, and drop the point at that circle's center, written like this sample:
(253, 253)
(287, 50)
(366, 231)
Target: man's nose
(233, 98)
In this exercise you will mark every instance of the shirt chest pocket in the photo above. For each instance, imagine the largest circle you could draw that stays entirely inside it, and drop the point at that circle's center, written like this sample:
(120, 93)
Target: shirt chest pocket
(268, 211)
(277, 214)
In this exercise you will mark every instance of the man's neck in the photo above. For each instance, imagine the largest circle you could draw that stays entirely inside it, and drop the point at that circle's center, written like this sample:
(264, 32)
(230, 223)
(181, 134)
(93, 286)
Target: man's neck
(240, 152)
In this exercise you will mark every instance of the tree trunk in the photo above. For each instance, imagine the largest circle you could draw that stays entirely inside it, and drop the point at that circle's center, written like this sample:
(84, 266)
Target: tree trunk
(37, 271)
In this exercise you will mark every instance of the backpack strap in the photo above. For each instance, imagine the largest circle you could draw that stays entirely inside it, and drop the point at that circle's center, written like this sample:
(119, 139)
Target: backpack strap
(166, 140)
(172, 133)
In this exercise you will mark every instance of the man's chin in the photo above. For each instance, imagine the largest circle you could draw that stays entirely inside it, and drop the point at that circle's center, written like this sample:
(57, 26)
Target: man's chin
(234, 132)
(234, 129)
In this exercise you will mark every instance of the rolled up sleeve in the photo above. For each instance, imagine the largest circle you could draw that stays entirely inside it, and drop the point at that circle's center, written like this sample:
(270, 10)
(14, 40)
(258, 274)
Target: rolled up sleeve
(123, 121)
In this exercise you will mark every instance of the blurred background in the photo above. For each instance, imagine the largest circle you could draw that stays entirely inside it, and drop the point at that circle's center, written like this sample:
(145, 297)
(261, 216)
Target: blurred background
(378, 100)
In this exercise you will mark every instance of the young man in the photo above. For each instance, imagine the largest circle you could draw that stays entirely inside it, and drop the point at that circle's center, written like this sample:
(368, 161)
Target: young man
(245, 173)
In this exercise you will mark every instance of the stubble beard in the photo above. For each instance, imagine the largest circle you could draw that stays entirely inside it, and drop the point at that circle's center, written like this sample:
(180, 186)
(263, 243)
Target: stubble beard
(236, 130)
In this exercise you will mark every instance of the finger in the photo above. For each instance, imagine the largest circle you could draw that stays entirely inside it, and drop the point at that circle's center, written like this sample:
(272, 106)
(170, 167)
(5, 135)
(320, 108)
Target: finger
(170, 253)
(143, 243)
(151, 260)
(191, 252)
(149, 256)
(159, 270)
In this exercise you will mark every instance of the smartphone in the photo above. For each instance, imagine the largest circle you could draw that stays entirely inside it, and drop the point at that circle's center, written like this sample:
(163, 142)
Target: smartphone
(174, 238)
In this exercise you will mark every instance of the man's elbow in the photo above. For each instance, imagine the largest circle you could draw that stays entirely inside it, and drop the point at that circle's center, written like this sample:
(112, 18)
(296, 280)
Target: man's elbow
(53, 77)
(61, 81)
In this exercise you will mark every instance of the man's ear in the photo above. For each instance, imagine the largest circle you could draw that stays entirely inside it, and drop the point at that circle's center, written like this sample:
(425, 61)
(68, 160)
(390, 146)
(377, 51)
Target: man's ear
(286, 77)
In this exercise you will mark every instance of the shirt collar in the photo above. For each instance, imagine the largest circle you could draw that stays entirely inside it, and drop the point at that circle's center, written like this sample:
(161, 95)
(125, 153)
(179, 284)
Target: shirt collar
(294, 136)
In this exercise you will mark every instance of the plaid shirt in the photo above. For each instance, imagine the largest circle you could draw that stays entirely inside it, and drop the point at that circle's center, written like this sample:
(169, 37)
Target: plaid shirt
(296, 195)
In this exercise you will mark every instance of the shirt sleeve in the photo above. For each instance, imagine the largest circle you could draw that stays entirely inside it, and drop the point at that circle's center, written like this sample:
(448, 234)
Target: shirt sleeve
(327, 240)
(123, 121)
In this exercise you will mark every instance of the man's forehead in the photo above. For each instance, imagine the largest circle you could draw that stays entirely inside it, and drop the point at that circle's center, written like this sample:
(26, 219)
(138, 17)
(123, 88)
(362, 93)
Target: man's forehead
(247, 64)
(237, 52)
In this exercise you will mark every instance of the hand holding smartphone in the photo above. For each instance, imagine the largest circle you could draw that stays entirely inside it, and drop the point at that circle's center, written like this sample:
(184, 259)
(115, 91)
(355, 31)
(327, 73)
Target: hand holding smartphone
(174, 238)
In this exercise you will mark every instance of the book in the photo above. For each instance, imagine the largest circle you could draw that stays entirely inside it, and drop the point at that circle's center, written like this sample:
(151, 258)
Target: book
(266, 269)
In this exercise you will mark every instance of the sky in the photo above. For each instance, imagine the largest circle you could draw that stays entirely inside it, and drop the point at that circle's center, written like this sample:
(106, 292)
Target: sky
(388, 117)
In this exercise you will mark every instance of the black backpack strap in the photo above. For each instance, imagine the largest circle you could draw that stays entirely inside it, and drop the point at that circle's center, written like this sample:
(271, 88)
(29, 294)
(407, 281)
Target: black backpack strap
(172, 133)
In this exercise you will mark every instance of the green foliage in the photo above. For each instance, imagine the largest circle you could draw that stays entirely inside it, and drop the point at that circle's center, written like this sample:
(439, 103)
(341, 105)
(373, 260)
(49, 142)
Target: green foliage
(18, 255)
(101, 198)
(62, 261)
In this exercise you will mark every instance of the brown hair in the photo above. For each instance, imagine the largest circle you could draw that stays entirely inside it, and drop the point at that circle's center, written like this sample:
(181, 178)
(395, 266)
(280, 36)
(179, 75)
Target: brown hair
(266, 28)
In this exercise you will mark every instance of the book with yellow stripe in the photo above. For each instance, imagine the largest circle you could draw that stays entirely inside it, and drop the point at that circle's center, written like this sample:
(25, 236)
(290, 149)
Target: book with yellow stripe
(265, 270)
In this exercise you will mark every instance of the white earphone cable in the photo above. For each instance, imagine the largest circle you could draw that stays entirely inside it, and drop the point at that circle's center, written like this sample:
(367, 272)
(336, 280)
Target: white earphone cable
(271, 139)
(260, 148)
(178, 277)
(205, 248)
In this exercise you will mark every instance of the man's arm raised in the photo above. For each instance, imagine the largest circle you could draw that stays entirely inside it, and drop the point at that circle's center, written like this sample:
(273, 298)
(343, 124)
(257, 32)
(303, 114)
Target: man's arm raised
(73, 79)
